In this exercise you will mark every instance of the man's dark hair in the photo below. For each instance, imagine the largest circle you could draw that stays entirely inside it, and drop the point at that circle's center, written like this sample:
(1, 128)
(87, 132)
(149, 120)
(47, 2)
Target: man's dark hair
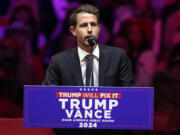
(87, 8)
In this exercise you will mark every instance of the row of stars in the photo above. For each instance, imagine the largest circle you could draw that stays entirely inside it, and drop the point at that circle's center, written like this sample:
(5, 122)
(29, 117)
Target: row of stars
(88, 89)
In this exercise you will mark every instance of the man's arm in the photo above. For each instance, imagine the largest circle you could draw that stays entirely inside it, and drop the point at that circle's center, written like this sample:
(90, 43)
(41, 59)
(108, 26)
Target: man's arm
(52, 76)
(126, 74)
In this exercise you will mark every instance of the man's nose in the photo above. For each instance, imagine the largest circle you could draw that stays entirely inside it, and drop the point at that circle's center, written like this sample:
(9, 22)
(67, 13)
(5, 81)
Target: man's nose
(89, 28)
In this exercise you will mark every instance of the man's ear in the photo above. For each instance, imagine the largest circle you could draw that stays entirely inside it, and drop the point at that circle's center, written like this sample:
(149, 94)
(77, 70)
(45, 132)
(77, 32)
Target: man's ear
(72, 29)
(99, 26)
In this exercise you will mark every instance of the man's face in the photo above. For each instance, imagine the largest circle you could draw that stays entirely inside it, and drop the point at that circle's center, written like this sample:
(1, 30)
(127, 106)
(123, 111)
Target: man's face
(87, 25)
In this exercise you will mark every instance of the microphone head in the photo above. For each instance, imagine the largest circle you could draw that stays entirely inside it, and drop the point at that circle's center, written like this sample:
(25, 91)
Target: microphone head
(92, 41)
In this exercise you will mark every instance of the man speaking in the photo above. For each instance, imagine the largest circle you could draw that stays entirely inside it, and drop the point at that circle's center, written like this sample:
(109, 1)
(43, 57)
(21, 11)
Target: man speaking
(90, 63)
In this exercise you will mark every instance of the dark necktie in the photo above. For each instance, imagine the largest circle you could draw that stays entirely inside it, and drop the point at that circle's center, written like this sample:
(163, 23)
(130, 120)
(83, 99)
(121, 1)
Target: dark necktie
(89, 70)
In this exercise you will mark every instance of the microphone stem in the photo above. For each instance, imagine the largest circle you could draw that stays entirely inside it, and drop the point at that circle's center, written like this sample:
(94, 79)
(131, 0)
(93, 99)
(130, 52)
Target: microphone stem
(91, 49)
(91, 77)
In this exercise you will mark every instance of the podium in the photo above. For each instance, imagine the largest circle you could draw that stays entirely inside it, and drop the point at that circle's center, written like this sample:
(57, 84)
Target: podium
(80, 107)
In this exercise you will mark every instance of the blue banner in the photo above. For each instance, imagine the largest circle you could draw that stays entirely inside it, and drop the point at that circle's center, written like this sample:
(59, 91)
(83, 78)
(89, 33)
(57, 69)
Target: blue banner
(88, 107)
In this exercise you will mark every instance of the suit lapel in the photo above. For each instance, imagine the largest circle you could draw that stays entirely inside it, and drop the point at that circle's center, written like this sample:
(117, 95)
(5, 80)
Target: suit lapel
(76, 69)
(103, 62)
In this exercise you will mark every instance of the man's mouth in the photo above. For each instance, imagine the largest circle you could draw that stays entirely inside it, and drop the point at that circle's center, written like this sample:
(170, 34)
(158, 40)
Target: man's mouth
(86, 37)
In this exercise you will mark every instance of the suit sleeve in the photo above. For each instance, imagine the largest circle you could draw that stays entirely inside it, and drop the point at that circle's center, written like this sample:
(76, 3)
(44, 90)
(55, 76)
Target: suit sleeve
(126, 74)
(52, 76)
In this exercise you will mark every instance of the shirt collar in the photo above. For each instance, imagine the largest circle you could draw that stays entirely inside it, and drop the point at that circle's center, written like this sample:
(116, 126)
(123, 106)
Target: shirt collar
(83, 53)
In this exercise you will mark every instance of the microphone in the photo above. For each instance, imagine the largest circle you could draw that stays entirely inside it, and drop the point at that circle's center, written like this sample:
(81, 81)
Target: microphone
(92, 41)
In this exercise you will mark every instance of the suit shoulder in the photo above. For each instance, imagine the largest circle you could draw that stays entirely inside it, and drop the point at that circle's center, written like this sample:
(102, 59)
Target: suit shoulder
(113, 49)
(63, 55)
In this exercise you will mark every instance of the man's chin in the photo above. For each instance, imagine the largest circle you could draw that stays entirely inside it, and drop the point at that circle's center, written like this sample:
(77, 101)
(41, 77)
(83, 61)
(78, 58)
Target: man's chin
(86, 44)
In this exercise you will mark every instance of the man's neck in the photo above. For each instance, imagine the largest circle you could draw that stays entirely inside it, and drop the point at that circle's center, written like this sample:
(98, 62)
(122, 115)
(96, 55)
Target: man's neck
(87, 48)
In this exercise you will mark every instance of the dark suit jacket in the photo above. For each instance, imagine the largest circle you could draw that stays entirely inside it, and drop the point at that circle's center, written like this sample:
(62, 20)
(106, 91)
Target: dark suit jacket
(114, 68)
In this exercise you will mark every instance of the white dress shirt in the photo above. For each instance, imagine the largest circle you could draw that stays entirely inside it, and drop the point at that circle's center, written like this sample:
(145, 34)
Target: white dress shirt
(82, 58)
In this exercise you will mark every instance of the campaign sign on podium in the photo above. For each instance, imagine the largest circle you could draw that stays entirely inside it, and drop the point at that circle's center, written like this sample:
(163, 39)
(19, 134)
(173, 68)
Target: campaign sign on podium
(88, 107)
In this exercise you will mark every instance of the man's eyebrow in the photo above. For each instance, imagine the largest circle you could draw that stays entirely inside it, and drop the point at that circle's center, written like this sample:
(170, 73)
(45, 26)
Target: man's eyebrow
(83, 24)
(94, 23)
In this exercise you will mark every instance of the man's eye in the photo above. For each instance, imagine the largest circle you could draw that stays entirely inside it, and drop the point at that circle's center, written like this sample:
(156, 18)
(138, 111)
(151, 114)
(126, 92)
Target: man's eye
(93, 24)
(83, 25)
